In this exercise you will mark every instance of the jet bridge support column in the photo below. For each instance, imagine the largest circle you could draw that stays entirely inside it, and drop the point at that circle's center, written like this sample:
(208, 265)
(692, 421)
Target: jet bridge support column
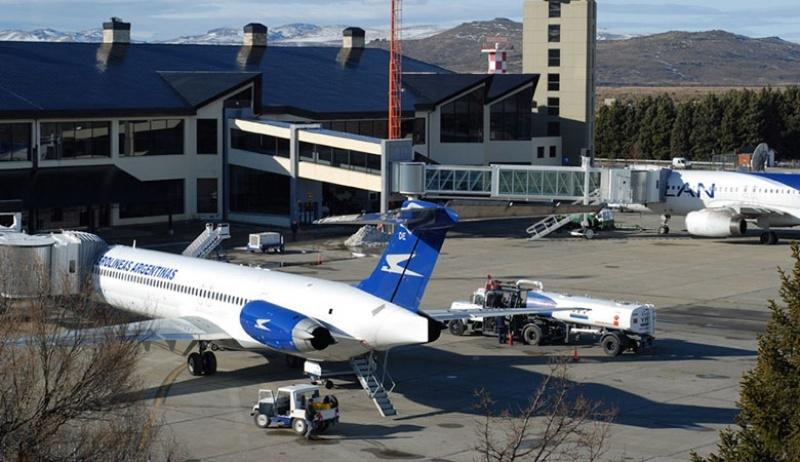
(294, 172)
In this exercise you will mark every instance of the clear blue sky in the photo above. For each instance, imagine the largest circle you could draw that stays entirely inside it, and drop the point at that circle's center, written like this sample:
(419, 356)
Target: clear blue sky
(163, 19)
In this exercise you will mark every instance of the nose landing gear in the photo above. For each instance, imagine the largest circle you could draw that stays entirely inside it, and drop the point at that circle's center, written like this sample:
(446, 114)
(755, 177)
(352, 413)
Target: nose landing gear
(203, 362)
(664, 224)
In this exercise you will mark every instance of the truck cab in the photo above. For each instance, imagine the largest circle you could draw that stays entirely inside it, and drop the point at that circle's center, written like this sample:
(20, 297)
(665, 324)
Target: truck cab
(299, 407)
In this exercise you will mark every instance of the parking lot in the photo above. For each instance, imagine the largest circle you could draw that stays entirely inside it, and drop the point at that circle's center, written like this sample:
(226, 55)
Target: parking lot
(711, 297)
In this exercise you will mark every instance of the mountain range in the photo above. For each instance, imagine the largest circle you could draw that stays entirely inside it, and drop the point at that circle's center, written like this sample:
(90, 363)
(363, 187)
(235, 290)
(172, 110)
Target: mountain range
(712, 58)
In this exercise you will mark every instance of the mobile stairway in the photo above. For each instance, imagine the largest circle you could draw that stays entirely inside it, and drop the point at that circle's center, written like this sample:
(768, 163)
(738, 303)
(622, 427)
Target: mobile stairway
(208, 240)
(367, 370)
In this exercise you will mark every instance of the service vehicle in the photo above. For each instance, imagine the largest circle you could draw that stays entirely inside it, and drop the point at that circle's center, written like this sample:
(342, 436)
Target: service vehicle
(265, 242)
(299, 407)
(619, 326)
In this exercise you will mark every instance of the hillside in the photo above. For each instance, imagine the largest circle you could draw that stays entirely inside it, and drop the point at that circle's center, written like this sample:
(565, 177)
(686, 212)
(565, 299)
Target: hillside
(672, 58)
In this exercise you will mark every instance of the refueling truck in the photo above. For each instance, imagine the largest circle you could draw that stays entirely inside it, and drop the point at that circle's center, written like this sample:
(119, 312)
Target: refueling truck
(619, 326)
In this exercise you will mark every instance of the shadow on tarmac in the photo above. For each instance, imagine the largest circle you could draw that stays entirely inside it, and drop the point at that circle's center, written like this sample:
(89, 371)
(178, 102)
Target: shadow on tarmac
(452, 388)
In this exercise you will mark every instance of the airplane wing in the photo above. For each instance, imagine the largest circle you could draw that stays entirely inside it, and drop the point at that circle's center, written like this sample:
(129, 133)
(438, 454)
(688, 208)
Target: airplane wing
(452, 315)
(751, 210)
(172, 329)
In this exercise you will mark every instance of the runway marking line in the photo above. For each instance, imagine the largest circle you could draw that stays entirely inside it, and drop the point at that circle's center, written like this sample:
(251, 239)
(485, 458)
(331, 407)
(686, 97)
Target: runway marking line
(158, 400)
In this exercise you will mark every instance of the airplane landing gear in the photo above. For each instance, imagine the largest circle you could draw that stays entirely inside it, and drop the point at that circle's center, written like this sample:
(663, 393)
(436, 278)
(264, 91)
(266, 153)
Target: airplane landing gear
(769, 238)
(664, 224)
(203, 362)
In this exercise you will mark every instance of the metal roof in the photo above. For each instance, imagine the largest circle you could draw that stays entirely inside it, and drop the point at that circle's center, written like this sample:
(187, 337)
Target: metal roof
(90, 79)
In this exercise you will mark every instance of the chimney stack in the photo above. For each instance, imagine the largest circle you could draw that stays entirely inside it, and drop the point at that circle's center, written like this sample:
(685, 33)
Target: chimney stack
(255, 35)
(116, 31)
(353, 37)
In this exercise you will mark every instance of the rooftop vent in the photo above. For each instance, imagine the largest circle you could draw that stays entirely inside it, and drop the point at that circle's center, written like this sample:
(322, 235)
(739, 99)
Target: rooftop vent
(255, 35)
(116, 31)
(353, 37)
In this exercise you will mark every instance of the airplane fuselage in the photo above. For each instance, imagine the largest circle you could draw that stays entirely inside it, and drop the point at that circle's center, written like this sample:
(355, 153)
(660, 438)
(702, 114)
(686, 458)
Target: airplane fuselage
(161, 285)
(694, 190)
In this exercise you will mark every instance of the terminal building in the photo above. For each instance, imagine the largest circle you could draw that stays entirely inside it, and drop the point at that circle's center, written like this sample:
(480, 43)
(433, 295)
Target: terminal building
(121, 133)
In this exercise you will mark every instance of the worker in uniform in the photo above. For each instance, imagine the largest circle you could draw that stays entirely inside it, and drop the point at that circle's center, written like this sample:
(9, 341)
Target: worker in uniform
(492, 297)
(502, 330)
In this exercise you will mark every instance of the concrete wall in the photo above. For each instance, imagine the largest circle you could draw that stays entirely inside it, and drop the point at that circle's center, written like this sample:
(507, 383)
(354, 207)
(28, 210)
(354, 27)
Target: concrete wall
(578, 23)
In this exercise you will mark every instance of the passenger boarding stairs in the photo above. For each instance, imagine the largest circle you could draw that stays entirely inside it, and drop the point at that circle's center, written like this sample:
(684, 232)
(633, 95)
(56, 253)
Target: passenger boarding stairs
(208, 241)
(368, 370)
(553, 223)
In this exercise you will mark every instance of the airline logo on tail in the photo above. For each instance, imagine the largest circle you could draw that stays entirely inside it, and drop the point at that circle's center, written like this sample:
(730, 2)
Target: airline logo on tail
(393, 265)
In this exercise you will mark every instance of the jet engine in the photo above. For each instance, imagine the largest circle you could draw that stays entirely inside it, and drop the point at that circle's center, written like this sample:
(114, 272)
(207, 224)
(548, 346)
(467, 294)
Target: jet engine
(716, 223)
(283, 329)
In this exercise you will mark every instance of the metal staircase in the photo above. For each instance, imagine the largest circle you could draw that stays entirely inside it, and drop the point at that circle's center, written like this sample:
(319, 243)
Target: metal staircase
(366, 368)
(553, 223)
(208, 240)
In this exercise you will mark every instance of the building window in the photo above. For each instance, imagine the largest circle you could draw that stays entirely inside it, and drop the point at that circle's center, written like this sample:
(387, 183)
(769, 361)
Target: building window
(75, 140)
(511, 117)
(243, 99)
(553, 129)
(161, 198)
(162, 137)
(419, 130)
(262, 144)
(552, 151)
(554, 33)
(207, 130)
(540, 152)
(553, 82)
(207, 195)
(254, 191)
(554, 57)
(15, 142)
(553, 106)
(555, 8)
(340, 158)
(462, 119)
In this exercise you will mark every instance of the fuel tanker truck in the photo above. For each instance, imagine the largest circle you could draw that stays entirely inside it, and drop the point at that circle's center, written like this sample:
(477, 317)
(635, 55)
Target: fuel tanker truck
(618, 326)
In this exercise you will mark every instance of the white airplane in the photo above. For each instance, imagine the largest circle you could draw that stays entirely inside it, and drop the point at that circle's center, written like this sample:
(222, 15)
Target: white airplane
(225, 306)
(721, 204)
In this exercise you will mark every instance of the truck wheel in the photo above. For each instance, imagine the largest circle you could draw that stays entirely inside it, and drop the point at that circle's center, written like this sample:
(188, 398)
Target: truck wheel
(457, 328)
(281, 249)
(299, 426)
(261, 420)
(612, 345)
(532, 335)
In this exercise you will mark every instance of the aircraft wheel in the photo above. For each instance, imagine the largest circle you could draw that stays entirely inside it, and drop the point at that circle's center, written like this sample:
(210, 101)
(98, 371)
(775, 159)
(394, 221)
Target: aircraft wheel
(195, 364)
(664, 230)
(209, 360)
(300, 426)
(532, 335)
(612, 345)
(457, 327)
(328, 385)
(261, 420)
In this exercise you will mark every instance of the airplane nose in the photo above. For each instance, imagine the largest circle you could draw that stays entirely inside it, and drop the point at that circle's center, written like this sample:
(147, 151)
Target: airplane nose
(399, 327)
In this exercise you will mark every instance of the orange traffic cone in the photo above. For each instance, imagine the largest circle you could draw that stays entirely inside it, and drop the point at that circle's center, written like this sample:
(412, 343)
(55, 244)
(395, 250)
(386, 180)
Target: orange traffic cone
(575, 357)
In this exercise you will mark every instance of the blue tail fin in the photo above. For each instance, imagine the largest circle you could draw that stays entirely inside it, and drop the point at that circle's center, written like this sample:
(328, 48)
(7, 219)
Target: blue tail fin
(408, 262)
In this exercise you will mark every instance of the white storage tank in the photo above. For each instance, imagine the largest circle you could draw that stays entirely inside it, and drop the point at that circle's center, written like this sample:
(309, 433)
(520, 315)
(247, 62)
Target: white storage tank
(24, 264)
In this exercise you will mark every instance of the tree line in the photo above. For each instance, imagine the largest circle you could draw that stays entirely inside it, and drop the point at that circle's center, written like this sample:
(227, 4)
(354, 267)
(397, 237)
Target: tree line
(661, 128)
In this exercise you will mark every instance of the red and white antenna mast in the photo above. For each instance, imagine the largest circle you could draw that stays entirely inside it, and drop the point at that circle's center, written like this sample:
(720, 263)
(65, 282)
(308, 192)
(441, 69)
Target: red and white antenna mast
(395, 70)
(497, 48)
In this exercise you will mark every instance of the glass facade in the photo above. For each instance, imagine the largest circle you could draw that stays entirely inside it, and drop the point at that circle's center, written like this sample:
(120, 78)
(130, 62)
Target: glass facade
(545, 183)
(253, 191)
(160, 137)
(262, 144)
(458, 180)
(207, 195)
(340, 158)
(207, 142)
(377, 128)
(162, 198)
(75, 140)
(15, 142)
(462, 119)
(511, 118)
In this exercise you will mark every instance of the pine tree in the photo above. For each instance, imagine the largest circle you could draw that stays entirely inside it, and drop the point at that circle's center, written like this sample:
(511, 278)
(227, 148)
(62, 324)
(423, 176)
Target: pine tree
(680, 144)
(768, 425)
